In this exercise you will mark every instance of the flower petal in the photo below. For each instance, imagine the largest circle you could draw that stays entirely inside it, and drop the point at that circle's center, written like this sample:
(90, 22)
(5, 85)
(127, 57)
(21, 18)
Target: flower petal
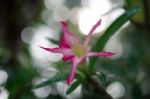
(68, 57)
(104, 54)
(67, 39)
(67, 53)
(64, 51)
(88, 38)
(64, 27)
(75, 62)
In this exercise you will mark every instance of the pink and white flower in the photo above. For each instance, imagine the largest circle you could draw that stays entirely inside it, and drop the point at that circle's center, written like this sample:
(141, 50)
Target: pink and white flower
(75, 51)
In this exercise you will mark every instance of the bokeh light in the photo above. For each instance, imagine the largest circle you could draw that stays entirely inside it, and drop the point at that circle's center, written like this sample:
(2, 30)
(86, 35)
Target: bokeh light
(61, 13)
(62, 88)
(3, 77)
(42, 92)
(42, 33)
(52, 4)
(27, 34)
(91, 13)
(116, 90)
(3, 93)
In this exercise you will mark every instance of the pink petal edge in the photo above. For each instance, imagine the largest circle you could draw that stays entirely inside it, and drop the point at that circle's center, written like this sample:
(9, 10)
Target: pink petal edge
(64, 51)
(64, 27)
(75, 62)
(67, 39)
(88, 38)
(104, 54)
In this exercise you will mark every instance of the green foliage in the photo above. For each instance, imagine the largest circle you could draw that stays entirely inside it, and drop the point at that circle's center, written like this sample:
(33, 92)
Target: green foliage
(20, 82)
(128, 3)
(72, 87)
(53, 41)
(111, 30)
(102, 78)
(52, 80)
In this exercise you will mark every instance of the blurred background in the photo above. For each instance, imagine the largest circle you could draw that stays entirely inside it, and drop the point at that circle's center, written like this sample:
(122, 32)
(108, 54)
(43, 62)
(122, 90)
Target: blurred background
(26, 24)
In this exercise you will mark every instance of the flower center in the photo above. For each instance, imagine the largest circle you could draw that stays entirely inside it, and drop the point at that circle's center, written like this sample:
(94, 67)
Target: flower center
(79, 50)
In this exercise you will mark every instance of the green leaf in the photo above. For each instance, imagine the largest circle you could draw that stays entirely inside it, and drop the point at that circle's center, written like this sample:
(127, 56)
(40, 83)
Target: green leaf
(111, 30)
(73, 86)
(102, 78)
(20, 81)
(80, 76)
(54, 41)
(128, 3)
(55, 79)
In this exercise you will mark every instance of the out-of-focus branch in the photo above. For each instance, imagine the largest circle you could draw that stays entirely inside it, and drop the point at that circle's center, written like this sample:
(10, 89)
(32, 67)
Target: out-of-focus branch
(99, 89)
(15, 16)
(146, 11)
